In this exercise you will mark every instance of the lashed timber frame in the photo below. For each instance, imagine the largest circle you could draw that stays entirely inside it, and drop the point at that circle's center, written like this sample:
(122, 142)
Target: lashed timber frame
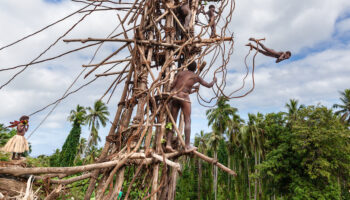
(135, 139)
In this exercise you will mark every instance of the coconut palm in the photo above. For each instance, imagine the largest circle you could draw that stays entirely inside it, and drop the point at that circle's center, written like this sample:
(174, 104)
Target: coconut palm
(344, 107)
(233, 129)
(96, 116)
(202, 141)
(256, 136)
(91, 155)
(293, 108)
(201, 144)
(78, 115)
(219, 118)
(81, 147)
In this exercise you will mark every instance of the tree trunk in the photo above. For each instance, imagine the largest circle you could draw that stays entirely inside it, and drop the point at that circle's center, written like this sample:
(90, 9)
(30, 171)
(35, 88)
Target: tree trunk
(155, 182)
(90, 136)
(199, 178)
(236, 187)
(256, 180)
(215, 174)
(172, 185)
(229, 166)
(260, 188)
(249, 186)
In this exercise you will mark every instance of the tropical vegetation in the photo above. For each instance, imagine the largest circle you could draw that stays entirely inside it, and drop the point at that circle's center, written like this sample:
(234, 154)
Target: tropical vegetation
(301, 152)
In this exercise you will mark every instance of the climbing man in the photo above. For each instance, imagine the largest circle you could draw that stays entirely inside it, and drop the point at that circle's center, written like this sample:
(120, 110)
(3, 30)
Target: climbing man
(182, 87)
(270, 52)
(18, 144)
(184, 14)
(211, 14)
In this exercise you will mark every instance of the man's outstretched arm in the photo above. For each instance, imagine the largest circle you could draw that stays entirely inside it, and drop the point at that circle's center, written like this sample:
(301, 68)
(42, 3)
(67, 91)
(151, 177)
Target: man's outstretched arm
(206, 84)
(279, 59)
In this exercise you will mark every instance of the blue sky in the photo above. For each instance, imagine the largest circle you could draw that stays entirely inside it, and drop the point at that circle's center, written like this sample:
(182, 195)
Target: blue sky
(316, 32)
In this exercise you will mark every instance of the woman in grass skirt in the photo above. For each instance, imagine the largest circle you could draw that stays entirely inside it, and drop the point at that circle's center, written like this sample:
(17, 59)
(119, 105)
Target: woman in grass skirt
(18, 143)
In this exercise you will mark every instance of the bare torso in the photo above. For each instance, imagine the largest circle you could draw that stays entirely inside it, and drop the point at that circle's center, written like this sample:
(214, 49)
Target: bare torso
(184, 82)
(211, 14)
(21, 129)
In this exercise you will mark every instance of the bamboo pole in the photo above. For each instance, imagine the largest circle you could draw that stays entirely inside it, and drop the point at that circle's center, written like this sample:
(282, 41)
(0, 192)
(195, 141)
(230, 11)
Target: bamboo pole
(155, 182)
(151, 42)
(106, 63)
(63, 170)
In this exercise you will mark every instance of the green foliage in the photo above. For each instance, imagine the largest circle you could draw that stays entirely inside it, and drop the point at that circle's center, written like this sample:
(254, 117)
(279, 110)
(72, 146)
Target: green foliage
(69, 148)
(169, 126)
(40, 161)
(6, 134)
(55, 158)
(4, 156)
(301, 154)
(186, 187)
(311, 158)
(78, 116)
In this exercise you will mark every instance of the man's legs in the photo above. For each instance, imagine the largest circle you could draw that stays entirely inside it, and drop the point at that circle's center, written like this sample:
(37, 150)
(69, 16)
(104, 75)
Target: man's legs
(174, 109)
(267, 52)
(186, 109)
(259, 50)
(265, 48)
(213, 27)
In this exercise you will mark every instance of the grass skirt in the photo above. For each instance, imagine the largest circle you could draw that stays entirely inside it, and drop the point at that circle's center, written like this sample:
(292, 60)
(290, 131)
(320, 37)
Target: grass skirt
(16, 144)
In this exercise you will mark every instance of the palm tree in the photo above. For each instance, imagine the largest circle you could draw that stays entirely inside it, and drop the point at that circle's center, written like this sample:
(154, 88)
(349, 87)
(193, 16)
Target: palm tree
(245, 153)
(344, 107)
(91, 155)
(201, 140)
(234, 126)
(232, 132)
(97, 115)
(256, 142)
(293, 108)
(78, 115)
(81, 147)
(219, 118)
